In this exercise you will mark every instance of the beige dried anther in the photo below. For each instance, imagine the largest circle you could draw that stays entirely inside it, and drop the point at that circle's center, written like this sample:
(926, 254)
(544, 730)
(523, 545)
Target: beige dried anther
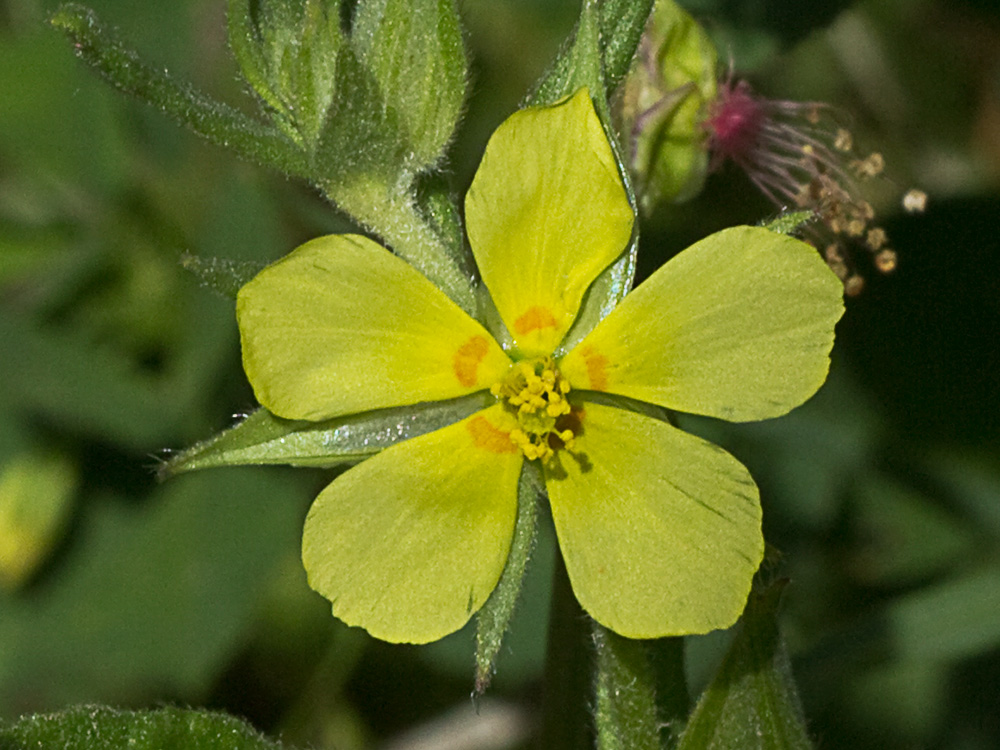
(915, 201)
(886, 261)
(876, 238)
(844, 141)
(869, 167)
(855, 228)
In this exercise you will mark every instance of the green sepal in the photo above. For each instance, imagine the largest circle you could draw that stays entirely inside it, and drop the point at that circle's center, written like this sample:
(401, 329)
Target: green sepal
(622, 25)
(664, 105)
(605, 41)
(790, 222)
(414, 50)
(362, 140)
(287, 49)
(220, 274)
(103, 728)
(579, 65)
(752, 702)
(493, 620)
(262, 438)
(218, 122)
(625, 714)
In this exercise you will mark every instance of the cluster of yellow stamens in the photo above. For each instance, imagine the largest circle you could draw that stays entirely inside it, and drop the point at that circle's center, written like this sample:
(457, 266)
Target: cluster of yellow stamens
(535, 394)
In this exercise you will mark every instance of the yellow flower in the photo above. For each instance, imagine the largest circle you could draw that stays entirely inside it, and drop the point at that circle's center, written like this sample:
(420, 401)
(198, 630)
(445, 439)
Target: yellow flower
(659, 530)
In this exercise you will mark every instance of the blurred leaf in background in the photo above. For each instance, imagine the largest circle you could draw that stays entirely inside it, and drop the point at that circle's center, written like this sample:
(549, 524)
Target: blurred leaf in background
(882, 495)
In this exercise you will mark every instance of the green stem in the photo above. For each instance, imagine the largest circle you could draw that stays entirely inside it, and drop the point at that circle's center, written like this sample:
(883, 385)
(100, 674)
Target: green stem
(625, 716)
(213, 120)
(393, 215)
(567, 690)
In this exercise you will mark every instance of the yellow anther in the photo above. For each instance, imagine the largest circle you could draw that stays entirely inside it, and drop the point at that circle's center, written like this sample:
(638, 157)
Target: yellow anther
(534, 392)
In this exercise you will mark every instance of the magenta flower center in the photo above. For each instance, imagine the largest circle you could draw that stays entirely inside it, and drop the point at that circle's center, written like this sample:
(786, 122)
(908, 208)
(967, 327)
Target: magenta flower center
(735, 123)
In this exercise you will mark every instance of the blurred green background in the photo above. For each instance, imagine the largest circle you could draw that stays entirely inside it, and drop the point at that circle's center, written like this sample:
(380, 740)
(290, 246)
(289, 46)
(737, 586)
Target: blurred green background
(882, 493)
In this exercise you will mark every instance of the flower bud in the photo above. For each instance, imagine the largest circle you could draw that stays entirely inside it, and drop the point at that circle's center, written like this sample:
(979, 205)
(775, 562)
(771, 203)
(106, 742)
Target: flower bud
(665, 101)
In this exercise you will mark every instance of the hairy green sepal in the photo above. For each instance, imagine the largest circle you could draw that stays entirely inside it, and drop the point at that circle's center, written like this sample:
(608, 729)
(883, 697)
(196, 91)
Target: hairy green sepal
(625, 715)
(262, 438)
(493, 620)
(752, 703)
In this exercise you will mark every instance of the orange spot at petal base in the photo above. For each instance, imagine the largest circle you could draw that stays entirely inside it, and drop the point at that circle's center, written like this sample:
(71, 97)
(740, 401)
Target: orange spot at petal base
(489, 438)
(466, 360)
(534, 319)
(597, 365)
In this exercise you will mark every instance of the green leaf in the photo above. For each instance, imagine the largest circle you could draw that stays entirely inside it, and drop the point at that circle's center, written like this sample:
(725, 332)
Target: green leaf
(36, 493)
(39, 138)
(903, 536)
(752, 703)
(263, 438)
(493, 620)
(955, 619)
(414, 50)
(150, 599)
(219, 123)
(96, 389)
(103, 728)
(625, 715)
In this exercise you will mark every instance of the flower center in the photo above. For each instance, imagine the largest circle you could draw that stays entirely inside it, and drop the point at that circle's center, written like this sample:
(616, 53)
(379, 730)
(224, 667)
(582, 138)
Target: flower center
(534, 393)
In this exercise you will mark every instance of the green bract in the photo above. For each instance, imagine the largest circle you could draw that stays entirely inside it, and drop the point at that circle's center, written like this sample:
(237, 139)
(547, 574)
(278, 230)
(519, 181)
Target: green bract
(660, 531)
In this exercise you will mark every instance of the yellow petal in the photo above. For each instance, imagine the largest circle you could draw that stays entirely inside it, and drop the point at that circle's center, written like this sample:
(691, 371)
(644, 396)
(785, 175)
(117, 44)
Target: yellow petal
(738, 326)
(341, 326)
(410, 543)
(546, 213)
(660, 530)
